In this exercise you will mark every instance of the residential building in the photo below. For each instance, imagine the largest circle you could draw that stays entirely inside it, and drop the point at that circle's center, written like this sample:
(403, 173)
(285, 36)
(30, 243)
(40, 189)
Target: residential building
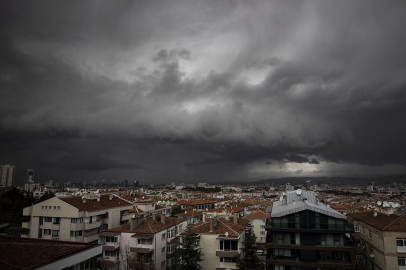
(154, 237)
(306, 234)
(191, 217)
(381, 239)
(7, 172)
(41, 254)
(78, 219)
(30, 184)
(258, 222)
(221, 241)
(199, 205)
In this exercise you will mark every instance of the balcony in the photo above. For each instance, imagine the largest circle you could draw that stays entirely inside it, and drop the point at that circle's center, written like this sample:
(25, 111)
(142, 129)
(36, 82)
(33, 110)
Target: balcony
(108, 261)
(26, 225)
(27, 211)
(227, 253)
(76, 226)
(311, 226)
(226, 265)
(125, 217)
(93, 225)
(91, 238)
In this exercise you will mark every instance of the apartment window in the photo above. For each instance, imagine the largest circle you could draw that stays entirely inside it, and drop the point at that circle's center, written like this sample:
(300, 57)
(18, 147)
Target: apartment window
(171, 233)
(262, 227)
(59, 208)
(356, 228)
(75, 233)
(228, 245)
(170, 248)
(57, 220)
(262, 239)
(401, 242)
(54, 207)
(263, 220)
(48, 219)
(47, 232)
(359, 258)
(362, 230)
(262, 232)
(42, 207)
(145, 241)
(76, 220)
(180, 228)
(371, 252)
(369, 234)
(163, 250)
(228, 260)
(108, 253)
(55, 233)
(163, 264)
(402, 261)
(163, 236)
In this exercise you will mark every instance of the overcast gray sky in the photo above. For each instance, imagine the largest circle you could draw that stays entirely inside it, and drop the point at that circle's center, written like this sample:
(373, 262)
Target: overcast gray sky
(188, 91)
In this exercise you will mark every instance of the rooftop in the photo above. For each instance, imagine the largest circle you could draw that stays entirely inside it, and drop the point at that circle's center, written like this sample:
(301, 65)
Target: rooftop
(222, 226)
(381, 221)
(149, 225)
(94, 205)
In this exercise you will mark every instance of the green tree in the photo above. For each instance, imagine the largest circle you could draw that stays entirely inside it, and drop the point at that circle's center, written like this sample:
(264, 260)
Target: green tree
(176, 209)
(249, 259)
(189, 251)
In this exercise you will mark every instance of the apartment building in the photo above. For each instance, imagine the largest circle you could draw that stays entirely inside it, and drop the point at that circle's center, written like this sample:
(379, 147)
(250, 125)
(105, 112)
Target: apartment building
(191, 217)
(220, 241)
(381, 239)
(7, 172)
(306, 234)
(155, 237)
(258, 222)
(78, 219)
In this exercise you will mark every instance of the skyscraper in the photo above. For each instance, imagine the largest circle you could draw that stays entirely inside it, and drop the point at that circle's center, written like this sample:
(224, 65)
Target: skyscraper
(7, 175)
(30, 176)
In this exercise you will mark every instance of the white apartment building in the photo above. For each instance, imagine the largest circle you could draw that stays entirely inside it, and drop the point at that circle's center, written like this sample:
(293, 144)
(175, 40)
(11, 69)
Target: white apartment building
(75, 218)
(220, 241)
(154, 237)
(258, 221)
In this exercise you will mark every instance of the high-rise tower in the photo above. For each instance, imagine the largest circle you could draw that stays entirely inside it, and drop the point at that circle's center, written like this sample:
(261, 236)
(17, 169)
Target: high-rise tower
(7, 175)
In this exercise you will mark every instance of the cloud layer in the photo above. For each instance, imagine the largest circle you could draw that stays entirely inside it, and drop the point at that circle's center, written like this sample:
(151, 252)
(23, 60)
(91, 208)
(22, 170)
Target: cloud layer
(202, 90)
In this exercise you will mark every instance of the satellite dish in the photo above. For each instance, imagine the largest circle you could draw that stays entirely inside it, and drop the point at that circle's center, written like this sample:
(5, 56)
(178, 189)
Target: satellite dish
(134, 216)
(299, 192)
(396, 205)
(379, 203)
(226, 234)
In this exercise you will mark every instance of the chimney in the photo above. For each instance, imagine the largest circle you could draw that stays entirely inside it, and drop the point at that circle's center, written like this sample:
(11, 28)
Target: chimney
(111, 197)
(204, 217)
(212, 224)
(154, 216)
(163, 218)
(235, 218)
(98, 199)
(84, 200)
(135, 222)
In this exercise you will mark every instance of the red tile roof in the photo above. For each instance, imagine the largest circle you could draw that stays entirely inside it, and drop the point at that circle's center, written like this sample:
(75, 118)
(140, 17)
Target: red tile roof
(148, 225)
(27, 253)
(381, 221)
(94, 205)
(222, 226)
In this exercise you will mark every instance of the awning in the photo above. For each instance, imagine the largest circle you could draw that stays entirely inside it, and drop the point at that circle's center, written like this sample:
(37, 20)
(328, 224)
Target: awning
(141, 250)
(142, 236)
(110, 234)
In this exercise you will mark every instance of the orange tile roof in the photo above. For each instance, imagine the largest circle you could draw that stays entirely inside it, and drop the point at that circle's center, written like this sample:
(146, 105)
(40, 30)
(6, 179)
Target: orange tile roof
(28, 253)
(149, 226)
(222, 226)
(381, 221)
(94, 205)
(256, 215)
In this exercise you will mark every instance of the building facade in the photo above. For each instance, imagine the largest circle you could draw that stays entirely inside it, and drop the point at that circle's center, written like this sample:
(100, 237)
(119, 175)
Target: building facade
(75, 219)
(7, 172)
(258, 222)
(381, 240)
(308, 235)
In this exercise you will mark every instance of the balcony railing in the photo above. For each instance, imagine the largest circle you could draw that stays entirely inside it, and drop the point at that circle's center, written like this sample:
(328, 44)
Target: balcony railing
(93, 225)
(311, 226)
(26, 225)
(91, 238)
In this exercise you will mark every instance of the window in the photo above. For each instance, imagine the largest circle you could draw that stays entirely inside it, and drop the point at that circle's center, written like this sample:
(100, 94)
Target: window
(54, 207)
(263, 220)
(180, 228)
(163, 236)
(42, 207)
(59, 208)
(47, 232)
(369, 234)
(401, 242)
(262, 232)
(55, 233)
(145, 241)
(57, 220)
(262, 239)
(228, 245)
(356, 228)
(262, 227)
(402, 261)
(163, 264)
(228, 260)
(76, 220)
(359, 258)
(48, 219)
(170, 248)
(163, 250)
(171, 233)
(75, 233)
(108, 253)
(363, 230)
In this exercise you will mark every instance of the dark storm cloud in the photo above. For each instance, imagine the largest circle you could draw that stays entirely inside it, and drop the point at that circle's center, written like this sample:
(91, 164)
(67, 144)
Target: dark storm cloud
(129, 85)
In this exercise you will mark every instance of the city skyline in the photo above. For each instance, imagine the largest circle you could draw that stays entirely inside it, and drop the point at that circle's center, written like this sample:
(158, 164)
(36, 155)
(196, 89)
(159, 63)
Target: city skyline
(193, 91)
